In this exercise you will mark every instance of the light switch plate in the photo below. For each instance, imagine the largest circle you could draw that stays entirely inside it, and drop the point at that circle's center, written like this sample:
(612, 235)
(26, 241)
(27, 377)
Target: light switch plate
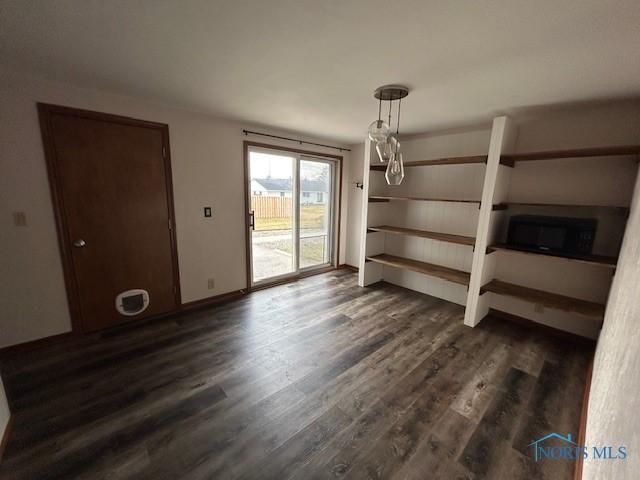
(20, 219)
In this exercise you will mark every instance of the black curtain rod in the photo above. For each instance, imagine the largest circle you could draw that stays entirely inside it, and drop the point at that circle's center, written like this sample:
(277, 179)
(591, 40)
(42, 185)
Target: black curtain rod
(342, 149)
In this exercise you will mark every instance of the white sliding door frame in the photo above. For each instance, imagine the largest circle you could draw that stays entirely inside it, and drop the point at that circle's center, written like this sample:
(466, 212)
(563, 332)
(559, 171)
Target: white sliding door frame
(335, 164)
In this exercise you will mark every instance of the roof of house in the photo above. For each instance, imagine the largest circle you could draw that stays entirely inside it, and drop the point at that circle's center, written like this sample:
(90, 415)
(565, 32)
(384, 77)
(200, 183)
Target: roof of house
(284, 184)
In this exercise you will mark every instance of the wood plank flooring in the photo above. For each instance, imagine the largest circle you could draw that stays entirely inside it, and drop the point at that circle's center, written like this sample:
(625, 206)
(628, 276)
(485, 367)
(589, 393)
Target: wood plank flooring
(316, 379)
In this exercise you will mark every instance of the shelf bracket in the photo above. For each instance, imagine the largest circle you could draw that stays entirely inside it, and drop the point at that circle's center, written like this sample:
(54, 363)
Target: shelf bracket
(507, 162)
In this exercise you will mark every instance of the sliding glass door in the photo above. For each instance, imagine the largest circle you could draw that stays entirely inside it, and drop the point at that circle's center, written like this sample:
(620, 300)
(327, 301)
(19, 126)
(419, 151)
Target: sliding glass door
(272, 214)
(291, 214)
(316, 212)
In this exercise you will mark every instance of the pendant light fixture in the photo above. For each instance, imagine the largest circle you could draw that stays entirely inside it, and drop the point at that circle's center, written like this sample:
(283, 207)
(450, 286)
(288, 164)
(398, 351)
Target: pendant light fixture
(387, 144)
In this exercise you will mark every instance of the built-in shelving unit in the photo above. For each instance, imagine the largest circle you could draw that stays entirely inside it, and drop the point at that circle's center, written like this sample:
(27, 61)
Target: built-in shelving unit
(597, 260)
(438, 161)
(547, 299)
(495, 279)
(446, 273)
(610, 151)
(410, 232)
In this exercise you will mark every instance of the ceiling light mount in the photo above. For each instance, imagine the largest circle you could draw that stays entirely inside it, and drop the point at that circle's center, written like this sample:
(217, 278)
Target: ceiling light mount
(390, 93)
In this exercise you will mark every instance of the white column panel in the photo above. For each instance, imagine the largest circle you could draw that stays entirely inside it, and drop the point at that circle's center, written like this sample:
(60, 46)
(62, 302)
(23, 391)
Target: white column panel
(494, 191)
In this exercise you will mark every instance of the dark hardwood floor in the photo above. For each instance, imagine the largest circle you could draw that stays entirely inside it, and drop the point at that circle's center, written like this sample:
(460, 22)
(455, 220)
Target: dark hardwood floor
(316, 379)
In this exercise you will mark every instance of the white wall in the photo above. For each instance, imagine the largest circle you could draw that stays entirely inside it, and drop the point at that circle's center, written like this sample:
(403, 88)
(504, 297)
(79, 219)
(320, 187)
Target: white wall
(614, 399)
(4, 410)
(208, 170)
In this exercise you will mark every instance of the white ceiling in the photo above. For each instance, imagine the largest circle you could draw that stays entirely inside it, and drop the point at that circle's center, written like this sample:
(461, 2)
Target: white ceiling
(312, 65)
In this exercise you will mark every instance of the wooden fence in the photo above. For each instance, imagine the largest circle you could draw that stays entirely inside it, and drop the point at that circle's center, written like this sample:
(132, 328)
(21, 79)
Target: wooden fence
(271, 207)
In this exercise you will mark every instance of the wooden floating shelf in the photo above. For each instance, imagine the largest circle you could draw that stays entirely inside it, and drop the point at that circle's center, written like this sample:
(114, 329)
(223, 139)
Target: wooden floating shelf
(383, 199)
(598, 260)
(610, 151)
(567, 205)
(438, 161)
(512, 159)
(443, 237)
(379, 198)
(446, 273)
(547, 299)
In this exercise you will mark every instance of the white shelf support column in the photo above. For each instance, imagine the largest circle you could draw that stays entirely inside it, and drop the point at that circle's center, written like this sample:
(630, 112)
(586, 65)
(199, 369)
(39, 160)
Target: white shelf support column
(494, 191)
(368, 272)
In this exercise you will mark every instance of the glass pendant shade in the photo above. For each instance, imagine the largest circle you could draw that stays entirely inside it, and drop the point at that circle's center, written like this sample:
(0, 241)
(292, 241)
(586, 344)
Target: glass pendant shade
(378, 131)
(384, 151)
(395, 169)
(394, 142)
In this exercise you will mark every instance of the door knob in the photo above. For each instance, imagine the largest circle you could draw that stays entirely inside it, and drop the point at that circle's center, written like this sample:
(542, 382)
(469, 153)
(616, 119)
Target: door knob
(79, 243)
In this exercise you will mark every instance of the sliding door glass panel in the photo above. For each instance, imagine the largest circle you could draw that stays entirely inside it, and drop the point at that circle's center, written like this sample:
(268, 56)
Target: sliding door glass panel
(316, 210)
(273, 247)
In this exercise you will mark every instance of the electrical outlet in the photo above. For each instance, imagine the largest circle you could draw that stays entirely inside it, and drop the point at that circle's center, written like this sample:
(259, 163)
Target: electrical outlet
(211, 284)
(538, 308)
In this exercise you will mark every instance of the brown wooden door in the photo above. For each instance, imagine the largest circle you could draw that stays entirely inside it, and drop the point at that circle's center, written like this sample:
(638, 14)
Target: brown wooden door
(112, 189)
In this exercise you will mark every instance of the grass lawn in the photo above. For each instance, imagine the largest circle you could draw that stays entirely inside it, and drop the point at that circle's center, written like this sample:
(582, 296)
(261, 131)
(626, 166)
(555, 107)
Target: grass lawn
(311, 216)
(311, 249)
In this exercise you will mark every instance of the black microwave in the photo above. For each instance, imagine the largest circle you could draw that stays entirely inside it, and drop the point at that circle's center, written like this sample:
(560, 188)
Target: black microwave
(553, 235)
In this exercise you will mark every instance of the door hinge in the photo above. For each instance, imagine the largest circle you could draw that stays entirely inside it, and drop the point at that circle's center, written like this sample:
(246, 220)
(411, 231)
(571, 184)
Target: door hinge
(164, 152)
(170, 225)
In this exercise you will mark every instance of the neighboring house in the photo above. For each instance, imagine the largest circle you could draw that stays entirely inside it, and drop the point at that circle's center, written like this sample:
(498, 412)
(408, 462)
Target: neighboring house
(313, 191)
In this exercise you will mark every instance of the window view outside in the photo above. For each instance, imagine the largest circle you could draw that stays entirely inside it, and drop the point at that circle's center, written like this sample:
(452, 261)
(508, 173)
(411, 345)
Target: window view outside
(315, 212)
(272, 200)
(272, 203)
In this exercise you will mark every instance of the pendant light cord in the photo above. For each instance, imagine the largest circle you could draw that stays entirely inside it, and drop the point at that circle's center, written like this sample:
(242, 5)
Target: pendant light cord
(390, 112)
